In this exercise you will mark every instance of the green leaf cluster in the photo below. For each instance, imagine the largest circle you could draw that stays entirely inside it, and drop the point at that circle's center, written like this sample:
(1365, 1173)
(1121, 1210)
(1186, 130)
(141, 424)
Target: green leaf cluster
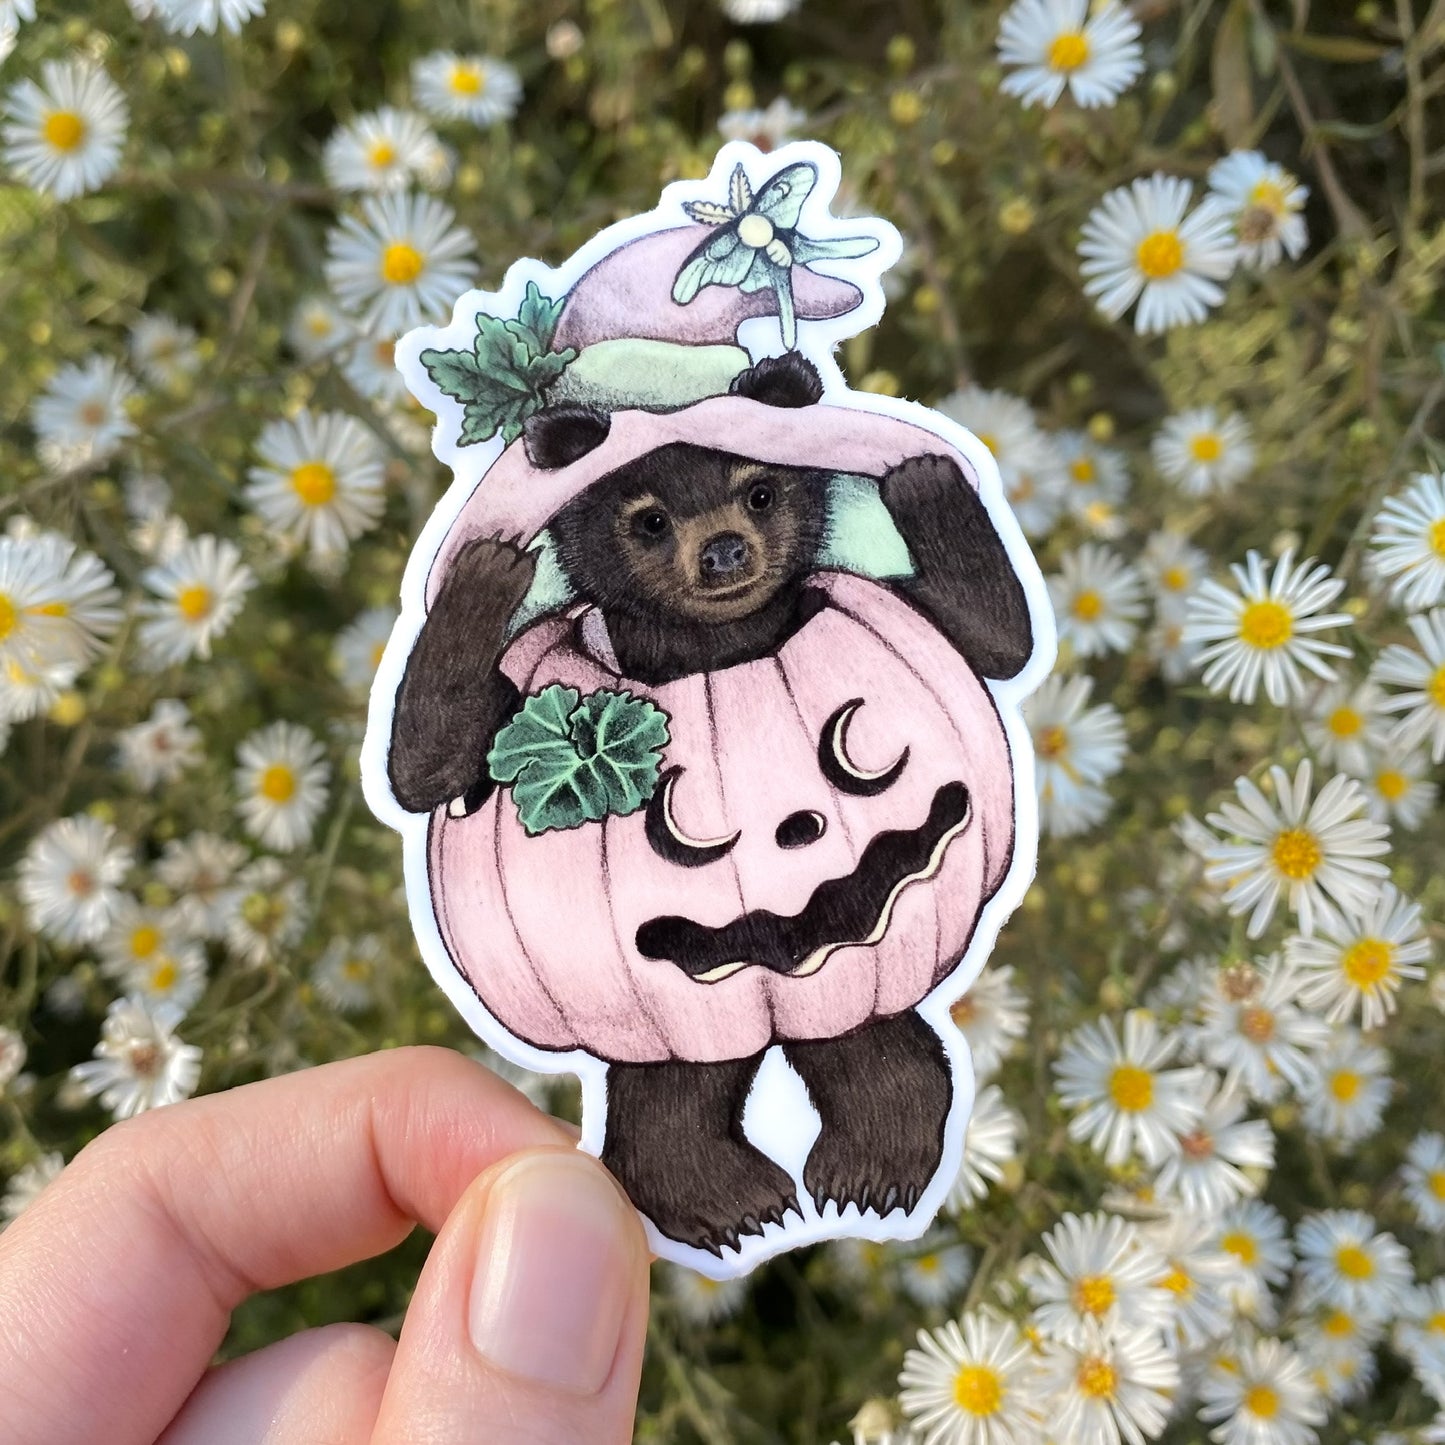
(574, 759)
(505, 377)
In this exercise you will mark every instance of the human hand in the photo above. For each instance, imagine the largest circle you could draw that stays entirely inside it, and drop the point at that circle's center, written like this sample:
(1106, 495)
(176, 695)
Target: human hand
(527, 1323)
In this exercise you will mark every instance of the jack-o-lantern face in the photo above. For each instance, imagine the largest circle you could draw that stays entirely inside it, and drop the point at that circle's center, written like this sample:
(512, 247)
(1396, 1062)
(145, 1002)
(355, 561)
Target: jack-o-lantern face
(826, 828)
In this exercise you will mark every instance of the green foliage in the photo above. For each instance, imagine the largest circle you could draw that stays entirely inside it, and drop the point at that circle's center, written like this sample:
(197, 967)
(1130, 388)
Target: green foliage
(573, 760)
(505, 377)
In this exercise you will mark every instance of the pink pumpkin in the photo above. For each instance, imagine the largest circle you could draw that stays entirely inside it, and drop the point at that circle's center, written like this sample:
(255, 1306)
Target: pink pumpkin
(546, 927)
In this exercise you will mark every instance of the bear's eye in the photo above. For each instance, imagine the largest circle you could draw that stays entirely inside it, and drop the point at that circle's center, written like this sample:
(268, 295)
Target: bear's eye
(760, 498)
(652, 522)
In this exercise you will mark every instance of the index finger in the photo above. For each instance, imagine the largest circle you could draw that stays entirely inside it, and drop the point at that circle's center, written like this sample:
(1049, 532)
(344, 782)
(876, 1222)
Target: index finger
(118, 1283)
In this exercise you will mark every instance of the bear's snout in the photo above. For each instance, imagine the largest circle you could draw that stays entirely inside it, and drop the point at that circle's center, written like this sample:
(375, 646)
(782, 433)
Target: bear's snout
(723, 556)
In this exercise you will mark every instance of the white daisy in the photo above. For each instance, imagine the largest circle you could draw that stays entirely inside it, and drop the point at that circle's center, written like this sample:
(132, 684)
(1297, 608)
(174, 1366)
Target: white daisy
(1060, 44)
(1345, 724)
(163, 351)
(64, 136)
(267, 911)
(1262, 630)
(27, 690)
(1254, 1236)
(1344, 1101)
(25, 1187)
(1264, 202)
(993, 1016)
(197, 593)
(1098, 599)
(161, 748)
(1267, 1400)
(1409, 542)
(318, 328)
(989, 1145)
(201, 871)
(1138, 243)
(185, 17)
(1423, 1178)
(766, 129)
(369, 364)
(1196, 1271)
(1039, 490)
(321, 480)
(281, 776)
(70, 876)
(1028, 461)
(1319, 853)
(478, 88)
(1173, 567)
(1111, 1389)
(1419, 1333)
(1101, 1276)
(80, 419)
(1096, 478)
(1336, 1348)
(1202, 452)
(1176, 658)
(1358, 962)
(384, 150)
(1422, 674)
(1398, 789)
(345, 974)
(1255, 1031)
(1347, 1263)
(703, 1301)
(147, 951)
(139, 1063)
(14, 12)
(973, 1381)
(1076, 748)
(356, 653)
(1126, 1097)
(938, 1272)
(1221, 1157)
(757, 12)
(57, 604)
(400, 263)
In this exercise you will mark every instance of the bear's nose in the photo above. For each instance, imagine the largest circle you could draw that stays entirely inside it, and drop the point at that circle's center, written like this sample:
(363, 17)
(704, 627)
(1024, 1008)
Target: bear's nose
(797, 830)
(723, 555)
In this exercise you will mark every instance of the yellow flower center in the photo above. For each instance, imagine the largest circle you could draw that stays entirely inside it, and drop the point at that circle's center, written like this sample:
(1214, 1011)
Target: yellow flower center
(1353, 1262)
(145, 940)
(1081, 469)
(381, 154)
(1069, 51)
(1297, 854)
(1344, 722)
(1241, 1246)
(978, 1390)
(1257, 1025)
(963, 1011)
(1177, 1282)
(990, 441)
(1052, 742)
(1175, 579)
(1338, 1325)
(1097, 1379)
(1344, 1086)
(1094, 1294)
(401, 264)
(277, 783)
(1436, 687)
(356, 969)
(1131, 1088)
(314, 483)
(1206, 446)
(1260, 1400)
(1435, 536)
(1088, 605)
(1266, 625)
(1436, 1323)
(468, 79)
(1269, 195)
(1160, 255)
(755, 231)
(163, 976)
(377, 649)
(9, 617)
(1392, 784)
(63, 130)
(195, 602)
(1367, 961)
(1437, 1184)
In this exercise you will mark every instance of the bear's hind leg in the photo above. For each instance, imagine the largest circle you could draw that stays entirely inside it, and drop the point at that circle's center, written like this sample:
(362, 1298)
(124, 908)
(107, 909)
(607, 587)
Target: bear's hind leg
(883, 1095)
(674, 1140)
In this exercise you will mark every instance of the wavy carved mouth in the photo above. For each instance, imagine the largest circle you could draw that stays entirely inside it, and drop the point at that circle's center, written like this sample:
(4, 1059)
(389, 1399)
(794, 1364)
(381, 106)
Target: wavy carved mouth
(842, 913)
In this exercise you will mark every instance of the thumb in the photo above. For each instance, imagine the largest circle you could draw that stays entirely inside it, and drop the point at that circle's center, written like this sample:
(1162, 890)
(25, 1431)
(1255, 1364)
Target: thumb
(528, 1321)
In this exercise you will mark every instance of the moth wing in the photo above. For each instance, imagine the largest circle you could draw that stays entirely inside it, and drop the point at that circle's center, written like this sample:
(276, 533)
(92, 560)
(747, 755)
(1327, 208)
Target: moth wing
(781, 200)
(721, 260)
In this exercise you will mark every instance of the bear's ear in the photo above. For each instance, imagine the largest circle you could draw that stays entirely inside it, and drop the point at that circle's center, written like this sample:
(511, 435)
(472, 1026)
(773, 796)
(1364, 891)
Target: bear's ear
(558, 435)
(786, 380)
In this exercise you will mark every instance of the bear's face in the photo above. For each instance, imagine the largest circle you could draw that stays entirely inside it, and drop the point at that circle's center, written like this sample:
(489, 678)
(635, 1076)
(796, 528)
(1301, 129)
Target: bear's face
(692, 534)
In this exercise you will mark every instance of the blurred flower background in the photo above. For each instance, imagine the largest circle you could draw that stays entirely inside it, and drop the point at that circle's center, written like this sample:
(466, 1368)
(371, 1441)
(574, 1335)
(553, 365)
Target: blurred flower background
(1177, 263)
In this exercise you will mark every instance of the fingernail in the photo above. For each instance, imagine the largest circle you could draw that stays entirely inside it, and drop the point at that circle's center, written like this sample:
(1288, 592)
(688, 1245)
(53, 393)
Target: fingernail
(556, 1266)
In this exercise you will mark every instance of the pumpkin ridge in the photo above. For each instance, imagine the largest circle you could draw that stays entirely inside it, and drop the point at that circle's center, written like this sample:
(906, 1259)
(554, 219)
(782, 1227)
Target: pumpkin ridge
(639, 994)
(803, 723)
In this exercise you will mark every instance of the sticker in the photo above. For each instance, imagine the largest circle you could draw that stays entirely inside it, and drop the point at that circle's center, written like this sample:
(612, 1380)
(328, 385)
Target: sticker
(700, 722)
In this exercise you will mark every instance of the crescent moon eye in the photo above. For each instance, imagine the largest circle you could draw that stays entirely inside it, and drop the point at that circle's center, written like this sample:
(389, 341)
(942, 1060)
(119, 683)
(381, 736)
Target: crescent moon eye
(668, 841)
(840, 770)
